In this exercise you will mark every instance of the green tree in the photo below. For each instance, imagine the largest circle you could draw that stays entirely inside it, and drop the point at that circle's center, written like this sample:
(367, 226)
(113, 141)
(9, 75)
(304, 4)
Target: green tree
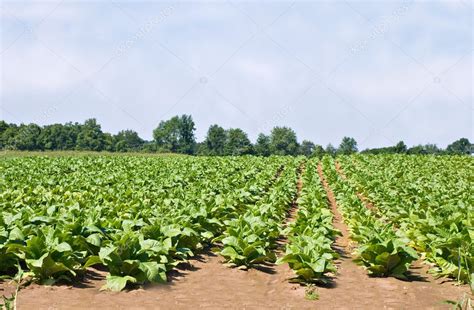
(8, 137)
(331, 150)
(348, 146)
(3, 126)
(49, 136)
(167, 135)
(427, 149)
(109, 142)
(237, 143)
(59, 136)
(306, 148)
(215, 140)
(431, 149)
(149, 147)
(319, 151)
(416, 150)
(201, 149)
(90, 137)
(127, 140)
(400, 148)
(71, 133)
(187, 137)
(5, 131)
(283, 141)
(176, 135)
(27, 138)
(262, 146)
(460, 147)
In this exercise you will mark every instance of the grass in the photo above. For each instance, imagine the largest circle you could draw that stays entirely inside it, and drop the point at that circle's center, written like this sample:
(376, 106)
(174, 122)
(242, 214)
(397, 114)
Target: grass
(464, 303)
(311, 292)
(10, 303)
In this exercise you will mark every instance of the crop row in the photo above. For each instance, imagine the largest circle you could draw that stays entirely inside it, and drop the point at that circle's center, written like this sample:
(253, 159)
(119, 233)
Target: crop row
(430, 199)
(251, 237)
(380, 249)
(310, 237)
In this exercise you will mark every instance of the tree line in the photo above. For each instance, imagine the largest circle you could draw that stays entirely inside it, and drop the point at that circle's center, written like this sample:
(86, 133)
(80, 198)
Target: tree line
(177, 135)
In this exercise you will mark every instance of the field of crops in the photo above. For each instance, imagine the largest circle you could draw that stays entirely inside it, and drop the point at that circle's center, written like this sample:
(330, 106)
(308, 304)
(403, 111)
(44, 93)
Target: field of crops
(139, 218)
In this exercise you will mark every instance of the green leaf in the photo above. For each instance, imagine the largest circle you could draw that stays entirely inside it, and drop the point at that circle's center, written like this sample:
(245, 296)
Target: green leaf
(207, 235)
(63, 247)
(94, 239)
(153, 271)
(229, 252)
(117, 283)
(393, 261)
(16, 234)
(92, 260)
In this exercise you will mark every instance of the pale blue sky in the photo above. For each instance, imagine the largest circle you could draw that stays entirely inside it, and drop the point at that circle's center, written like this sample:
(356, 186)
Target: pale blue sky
(380, 71)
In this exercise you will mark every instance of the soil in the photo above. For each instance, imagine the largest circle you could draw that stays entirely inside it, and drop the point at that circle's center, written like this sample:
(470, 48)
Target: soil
(339, 170)
(293, 212)
(209, 284)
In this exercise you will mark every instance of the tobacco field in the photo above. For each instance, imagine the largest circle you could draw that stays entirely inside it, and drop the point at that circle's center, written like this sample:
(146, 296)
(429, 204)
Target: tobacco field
(139, 218)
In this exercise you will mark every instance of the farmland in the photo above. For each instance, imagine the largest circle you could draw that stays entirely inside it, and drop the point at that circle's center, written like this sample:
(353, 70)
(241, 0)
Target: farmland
(290, 226)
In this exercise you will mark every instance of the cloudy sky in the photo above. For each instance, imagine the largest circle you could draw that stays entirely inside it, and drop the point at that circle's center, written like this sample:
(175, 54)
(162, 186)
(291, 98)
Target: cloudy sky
(380, 71)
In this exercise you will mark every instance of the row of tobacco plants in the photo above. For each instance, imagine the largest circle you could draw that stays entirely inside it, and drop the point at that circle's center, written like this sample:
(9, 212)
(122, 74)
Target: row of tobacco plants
(380, 248)
(309, 249)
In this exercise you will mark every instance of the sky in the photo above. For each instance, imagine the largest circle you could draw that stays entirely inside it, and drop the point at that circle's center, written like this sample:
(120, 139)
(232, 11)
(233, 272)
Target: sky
(378, 71)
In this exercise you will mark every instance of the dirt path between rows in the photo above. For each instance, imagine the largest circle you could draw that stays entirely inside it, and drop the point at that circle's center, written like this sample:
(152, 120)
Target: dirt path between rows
(208, 284)
(354, 289)
(293, 212)
(365, 200)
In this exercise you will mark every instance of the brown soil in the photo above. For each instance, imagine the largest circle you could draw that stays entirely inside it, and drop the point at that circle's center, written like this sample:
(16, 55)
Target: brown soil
(369, 205)
(339, 170)
(207, 283)
(293, 212)
(279, 171)
(291, 215)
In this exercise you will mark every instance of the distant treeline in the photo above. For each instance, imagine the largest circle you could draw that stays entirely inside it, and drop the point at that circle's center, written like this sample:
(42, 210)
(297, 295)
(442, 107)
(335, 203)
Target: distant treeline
(176, 135)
